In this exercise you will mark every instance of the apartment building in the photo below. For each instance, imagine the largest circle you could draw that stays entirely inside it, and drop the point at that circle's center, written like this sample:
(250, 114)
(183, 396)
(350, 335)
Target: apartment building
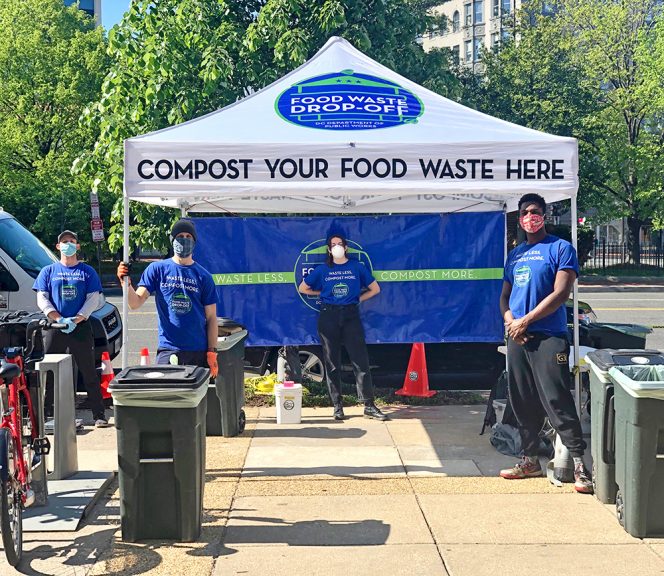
(471, 25)
(92, 7)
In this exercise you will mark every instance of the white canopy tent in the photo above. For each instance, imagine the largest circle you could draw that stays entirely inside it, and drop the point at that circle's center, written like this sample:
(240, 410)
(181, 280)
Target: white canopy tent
(343, 134)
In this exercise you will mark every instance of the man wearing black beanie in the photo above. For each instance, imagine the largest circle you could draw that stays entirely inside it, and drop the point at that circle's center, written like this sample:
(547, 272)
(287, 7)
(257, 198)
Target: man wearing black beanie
(186, 302)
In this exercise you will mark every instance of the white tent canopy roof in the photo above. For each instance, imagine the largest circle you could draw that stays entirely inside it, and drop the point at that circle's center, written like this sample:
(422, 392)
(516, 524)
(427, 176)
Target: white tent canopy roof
(344, 134)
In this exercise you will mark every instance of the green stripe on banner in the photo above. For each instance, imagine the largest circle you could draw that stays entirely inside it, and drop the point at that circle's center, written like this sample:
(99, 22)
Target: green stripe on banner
(431, 274)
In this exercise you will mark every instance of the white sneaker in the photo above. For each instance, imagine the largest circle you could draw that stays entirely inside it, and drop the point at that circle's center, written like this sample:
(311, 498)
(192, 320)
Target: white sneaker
(101, 423)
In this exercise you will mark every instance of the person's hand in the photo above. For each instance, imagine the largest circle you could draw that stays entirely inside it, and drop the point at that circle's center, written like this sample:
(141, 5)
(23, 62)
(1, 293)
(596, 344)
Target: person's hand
(521, 340)
(517, 328)
(71, 325)
(123, 271)
(212, 363)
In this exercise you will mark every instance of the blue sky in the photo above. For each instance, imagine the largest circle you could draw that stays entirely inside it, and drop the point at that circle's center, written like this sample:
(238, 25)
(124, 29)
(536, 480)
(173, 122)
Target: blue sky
(112, 11)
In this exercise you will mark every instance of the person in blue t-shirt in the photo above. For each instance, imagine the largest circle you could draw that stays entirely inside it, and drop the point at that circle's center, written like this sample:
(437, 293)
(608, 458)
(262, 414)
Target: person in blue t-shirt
(186, 302)
(69, 291)
(539, 275)
(342, 284)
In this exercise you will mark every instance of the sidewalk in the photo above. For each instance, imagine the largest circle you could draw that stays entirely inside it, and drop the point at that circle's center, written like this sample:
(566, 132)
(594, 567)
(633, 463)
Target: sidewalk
(621, 284)
(416, 495)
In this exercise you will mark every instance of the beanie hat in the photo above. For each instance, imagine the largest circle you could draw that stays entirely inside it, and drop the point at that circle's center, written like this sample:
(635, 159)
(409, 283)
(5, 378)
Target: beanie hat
(183, 225)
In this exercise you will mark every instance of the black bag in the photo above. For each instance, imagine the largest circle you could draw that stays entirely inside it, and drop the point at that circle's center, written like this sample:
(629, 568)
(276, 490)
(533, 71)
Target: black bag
(14, 332)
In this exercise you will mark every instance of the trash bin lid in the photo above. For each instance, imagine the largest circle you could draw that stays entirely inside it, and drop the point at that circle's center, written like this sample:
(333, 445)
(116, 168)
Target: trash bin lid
(227, 326)
(637, 330)
(640, 381)
(227, 342)
(160, 377)
(608, 357)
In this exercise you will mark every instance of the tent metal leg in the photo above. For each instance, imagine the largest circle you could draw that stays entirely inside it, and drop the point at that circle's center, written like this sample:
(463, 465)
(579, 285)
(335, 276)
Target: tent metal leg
(125, 285)
(575, 297)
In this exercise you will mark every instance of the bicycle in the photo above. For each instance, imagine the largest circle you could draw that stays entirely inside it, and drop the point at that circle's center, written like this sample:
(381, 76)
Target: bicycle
(21, 446)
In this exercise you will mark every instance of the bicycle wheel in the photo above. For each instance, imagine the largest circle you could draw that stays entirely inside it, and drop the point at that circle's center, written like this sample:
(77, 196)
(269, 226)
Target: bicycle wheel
(11, 507)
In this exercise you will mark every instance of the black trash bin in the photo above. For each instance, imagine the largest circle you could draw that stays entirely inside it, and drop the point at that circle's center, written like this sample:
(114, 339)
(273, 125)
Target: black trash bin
(160, 422)
(225, 414)
(616, 336)
(603, 413)
(639, 393)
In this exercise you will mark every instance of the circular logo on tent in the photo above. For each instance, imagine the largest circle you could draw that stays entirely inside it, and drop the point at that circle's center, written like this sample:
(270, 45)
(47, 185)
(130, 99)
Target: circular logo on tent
(522, 275)
(348, 100)
(314, 255)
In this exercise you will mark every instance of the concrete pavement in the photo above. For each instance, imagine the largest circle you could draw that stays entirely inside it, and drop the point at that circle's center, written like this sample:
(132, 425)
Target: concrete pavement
(417, 494)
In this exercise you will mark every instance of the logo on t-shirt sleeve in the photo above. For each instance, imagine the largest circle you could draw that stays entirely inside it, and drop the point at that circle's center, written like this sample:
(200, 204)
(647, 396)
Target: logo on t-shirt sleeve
(340, 290)
(522, 275)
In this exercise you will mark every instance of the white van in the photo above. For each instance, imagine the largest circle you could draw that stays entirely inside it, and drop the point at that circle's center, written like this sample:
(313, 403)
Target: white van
(22, 256)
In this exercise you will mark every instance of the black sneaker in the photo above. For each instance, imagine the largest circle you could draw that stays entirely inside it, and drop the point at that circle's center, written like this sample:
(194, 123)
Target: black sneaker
(375, 413)
(339, 413)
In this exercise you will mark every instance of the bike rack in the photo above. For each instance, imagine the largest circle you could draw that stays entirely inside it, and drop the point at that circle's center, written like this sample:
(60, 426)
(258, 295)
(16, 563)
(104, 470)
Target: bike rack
(65, 453)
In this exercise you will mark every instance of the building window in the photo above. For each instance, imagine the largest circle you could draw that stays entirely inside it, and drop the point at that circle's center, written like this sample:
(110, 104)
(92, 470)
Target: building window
(477, 49)
(468, 51)
(456, 21)
(468, 15)
(478, 11)
(455, 54)
(495, 40)
(507, 6)
(505, 36)
(495, 8)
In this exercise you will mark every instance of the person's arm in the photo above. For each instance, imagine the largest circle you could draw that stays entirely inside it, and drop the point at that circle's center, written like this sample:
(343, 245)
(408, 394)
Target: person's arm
(304, 288)
(46, 306)
(561, 289)
(505, 311)
(136, 298)
(372, 290)
(211, 325)
(89, 306)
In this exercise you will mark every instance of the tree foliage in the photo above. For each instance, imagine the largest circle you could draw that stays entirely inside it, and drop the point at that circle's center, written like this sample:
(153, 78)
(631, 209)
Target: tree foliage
(173, 60)
(52, 61)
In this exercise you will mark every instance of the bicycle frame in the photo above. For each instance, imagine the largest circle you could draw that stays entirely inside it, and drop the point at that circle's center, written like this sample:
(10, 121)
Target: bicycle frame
(12, 420)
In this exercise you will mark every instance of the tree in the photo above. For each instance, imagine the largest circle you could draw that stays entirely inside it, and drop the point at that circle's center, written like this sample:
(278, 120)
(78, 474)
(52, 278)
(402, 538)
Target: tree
(173, 60)
(52, 61)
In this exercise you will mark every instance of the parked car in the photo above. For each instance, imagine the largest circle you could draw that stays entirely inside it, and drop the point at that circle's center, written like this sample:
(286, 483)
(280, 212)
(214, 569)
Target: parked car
(451, 366)
(22, 256)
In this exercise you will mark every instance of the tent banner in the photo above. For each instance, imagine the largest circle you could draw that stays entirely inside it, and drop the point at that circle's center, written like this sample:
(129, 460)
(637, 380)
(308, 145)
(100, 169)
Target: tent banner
(440, 275)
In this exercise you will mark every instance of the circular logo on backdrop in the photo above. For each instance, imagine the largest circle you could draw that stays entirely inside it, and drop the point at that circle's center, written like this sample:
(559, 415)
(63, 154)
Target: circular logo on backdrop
(314, 255)
(522, 275)
(348, 100)
(180, 303)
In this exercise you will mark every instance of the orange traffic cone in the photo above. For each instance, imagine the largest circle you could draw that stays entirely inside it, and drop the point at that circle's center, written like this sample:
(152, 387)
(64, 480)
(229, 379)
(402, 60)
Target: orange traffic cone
(416, 382)
(145, 357)
(106, 374)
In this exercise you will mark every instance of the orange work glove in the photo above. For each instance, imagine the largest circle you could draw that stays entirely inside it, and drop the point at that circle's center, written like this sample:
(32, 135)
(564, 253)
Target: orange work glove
(123, 270)
(212, 363)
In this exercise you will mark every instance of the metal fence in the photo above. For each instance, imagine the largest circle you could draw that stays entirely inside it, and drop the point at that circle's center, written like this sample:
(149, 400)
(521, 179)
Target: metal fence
(610, 255)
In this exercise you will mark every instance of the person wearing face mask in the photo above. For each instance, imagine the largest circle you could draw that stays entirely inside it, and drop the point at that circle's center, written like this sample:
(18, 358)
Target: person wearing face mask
(69, 291)
(186, 302)
(539, 275)
(343, 284)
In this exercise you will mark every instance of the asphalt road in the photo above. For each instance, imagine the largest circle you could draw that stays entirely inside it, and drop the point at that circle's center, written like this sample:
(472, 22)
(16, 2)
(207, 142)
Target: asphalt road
(625, 307)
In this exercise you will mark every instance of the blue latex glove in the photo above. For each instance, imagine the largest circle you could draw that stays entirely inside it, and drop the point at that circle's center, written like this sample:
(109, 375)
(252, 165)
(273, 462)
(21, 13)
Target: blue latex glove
(71, 325)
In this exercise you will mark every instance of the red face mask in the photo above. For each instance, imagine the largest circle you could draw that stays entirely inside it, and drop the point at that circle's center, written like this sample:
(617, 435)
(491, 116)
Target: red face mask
(531, 223)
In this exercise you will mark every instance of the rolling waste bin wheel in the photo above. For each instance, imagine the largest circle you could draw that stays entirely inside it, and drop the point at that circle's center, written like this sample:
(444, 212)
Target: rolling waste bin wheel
(242, 421)
(620, 508)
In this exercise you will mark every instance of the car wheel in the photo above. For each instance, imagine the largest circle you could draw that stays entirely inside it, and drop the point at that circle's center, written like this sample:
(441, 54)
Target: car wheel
(312, 365)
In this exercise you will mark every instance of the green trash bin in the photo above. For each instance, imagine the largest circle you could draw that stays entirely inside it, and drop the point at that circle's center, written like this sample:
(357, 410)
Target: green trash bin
(639, 402)
(602, 411)
(160, 423)
(225, 412)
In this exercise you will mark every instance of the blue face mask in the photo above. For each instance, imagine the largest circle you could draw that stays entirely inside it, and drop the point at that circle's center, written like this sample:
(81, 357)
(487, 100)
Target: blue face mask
(67, 248)
(183, 247)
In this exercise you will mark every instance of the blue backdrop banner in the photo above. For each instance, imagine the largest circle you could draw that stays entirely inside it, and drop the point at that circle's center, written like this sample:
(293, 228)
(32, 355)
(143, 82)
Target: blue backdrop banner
(440, 275)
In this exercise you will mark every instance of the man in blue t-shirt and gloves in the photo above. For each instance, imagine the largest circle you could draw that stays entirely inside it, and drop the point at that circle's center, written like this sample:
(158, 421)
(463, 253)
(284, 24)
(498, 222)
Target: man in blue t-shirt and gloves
(186, 302)
(69, 291)
(539, 275)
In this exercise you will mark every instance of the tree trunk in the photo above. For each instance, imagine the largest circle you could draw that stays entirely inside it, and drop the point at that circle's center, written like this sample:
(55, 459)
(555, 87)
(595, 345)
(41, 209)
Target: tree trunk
(633, 240)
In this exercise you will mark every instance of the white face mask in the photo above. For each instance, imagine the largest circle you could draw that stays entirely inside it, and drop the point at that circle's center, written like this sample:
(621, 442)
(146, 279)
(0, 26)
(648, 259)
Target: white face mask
(338, 251)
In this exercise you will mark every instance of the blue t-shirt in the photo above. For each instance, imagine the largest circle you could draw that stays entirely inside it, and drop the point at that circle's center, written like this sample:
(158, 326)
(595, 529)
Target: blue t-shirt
(181, 292)
(340, 283)
(531, 270)
(67, 287)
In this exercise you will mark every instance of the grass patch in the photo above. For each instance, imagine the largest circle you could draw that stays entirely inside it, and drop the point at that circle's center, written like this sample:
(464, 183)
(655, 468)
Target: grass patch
(315, 395)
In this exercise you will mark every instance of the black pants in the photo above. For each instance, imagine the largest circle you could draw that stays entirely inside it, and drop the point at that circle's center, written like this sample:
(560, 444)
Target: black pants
(293, 368)
(337, 326)
(185, 357)
(539, 385)
(81, 345)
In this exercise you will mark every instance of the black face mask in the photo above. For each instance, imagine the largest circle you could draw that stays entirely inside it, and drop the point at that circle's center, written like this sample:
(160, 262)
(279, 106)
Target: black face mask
(183, 247)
